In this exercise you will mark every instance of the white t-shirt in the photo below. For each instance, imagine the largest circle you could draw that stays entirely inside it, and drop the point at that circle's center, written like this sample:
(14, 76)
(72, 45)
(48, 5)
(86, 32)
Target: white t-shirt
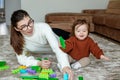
(43, 40)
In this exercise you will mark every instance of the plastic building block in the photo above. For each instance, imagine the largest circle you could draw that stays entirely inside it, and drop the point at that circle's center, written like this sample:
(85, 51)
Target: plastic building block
(42, 79)
(29, 77)
(53, 79)
(80, 77)
(65, 76)
(2, 63)
(49, 71)
(4, 67)
(62, 42)
(30, 71)
(32, 78)
(22, 71)
(45, 58)
(39, 59)
(36, 68)
(44, 75)
(15, 71)
(53, 75)
(22, 67)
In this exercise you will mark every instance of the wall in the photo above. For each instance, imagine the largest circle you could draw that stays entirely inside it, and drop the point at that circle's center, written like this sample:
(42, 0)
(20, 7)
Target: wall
(10, 6)
(38, 8)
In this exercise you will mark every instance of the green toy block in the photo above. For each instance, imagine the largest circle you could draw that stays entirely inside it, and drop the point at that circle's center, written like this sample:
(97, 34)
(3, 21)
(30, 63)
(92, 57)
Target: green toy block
(4, 67)
(36, 68)
(49, 71)
(29, 77)
(15, 71)
(45, 58)
(39, 59)
(44, 75)
(2, 63)
(53, 79)
(62, 42)
(42, 79)
(80, 77)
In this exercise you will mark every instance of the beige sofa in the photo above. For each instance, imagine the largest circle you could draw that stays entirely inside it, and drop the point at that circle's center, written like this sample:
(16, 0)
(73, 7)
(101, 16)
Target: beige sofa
(107, 22)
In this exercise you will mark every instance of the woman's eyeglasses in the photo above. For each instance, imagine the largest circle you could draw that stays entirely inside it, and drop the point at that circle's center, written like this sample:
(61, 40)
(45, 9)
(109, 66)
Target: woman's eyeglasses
(25, 27)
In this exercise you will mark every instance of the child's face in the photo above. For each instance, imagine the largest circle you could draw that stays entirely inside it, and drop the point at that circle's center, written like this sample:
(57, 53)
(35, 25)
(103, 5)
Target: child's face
(81, 31)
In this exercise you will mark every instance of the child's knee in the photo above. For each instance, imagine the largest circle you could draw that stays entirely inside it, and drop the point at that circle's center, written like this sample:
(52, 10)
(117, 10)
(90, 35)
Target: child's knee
(84, 61)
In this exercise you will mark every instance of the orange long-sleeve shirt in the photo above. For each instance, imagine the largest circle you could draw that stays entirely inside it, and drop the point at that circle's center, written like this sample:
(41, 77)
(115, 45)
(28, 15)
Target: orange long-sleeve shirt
(78, 49)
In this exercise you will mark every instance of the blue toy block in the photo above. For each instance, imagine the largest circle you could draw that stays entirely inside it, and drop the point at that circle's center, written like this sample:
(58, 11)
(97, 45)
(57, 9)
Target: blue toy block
(65, 76)
(22, 71)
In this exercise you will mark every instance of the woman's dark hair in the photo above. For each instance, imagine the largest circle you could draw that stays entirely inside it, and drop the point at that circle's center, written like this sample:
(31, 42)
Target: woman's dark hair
(79, 22)
(16, 38)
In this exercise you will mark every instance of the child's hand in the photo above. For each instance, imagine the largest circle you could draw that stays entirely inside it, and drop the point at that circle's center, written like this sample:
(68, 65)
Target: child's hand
(69, 71)
(44, 63)
(104, 57)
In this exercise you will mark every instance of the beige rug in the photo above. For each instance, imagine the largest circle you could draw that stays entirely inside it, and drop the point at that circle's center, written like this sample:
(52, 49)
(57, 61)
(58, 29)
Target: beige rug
(97, 70)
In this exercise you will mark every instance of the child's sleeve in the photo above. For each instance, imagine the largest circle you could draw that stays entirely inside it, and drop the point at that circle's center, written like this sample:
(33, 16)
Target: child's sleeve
(95, 49)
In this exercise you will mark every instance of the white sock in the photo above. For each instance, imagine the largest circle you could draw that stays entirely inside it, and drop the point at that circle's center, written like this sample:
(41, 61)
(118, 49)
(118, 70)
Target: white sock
(76, 65)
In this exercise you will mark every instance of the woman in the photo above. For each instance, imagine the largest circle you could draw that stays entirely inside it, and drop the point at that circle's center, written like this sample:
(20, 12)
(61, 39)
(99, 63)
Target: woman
(27, 36)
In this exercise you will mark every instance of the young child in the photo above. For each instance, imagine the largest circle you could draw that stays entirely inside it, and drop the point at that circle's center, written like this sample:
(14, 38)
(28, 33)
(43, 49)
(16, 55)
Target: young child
(80, 45)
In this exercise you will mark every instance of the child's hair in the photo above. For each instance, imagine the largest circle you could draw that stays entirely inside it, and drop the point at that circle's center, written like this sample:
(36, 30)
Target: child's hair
(79, 22)
(16, 38)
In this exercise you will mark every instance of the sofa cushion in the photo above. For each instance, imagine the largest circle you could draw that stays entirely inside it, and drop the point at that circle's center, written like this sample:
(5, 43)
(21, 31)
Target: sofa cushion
(113, 21)
(113, 7)
(57, 19)
(65, 26)
(99, 19)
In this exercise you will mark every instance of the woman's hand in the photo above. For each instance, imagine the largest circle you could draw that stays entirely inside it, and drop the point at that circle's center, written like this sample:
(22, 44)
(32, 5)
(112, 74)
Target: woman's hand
(44, 63)
(104, 57)
(69, 71)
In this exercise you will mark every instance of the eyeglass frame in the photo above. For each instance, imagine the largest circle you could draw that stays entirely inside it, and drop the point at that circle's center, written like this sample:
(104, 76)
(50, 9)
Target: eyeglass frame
(26, 26)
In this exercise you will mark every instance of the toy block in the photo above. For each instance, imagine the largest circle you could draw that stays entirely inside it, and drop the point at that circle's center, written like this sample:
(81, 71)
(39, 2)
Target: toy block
(53, 75)
(22, 67)
(2, 63)
(29, 77)
(36, 68)
(65, 76)
(30, 71)
(42, 79)
(45, 58)
(39, 59)
(15, 71)
(49, 71)
(53, 79)
(22, 71)
(80, 77)
(44, 75)
(4, 67)
(62, 42)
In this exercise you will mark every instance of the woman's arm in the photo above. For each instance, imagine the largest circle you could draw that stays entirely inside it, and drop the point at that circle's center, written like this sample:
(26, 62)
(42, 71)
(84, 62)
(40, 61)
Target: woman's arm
(53, 41)
(23, 59)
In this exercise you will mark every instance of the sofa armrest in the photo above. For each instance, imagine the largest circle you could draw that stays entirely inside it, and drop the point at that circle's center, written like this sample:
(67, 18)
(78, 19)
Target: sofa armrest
(94, 11)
